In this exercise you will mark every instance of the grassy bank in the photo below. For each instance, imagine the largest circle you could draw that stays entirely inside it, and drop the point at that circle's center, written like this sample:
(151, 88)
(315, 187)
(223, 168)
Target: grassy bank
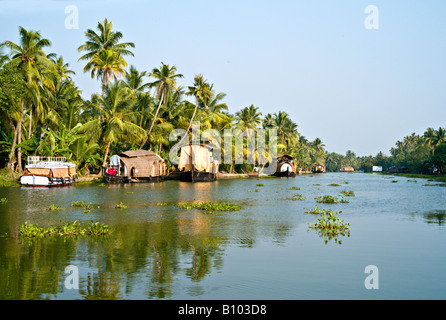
(8, 179)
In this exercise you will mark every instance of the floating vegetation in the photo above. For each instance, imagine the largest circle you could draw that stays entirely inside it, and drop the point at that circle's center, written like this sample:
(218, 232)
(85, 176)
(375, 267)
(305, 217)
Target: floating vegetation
(87, 207)
(297, 197)
(3, 200)
(327, 199)
(348, 193)
(210, 207)
(121, 206)
(161, 204)
(329, 226)
(345, 182)
(334, 185)
(344, 201)
(53, 207)
(66, 229)
(294, 188)
(394, 181)
(260, 185)
(318, 210)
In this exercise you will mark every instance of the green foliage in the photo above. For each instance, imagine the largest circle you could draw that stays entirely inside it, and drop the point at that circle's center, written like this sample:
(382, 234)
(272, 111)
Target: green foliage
(260, 185)
(327, 199)
(329, 226)
(317, 210)
(3, 200)
(53, 207)
(66, 229)
(121, 206)
(348, 193)
(297, 197)
(210, 207)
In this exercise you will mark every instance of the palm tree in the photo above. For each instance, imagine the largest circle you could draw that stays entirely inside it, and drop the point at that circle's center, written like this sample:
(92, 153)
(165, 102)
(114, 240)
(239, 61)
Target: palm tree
(114, 125)
(134, 80)
(166, 79)
(200, 90)
(106, 65)
(105, 47)
(35, 65)
(248, 118)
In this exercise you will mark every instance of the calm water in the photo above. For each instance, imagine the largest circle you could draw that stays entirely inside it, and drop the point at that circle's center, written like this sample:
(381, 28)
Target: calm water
(264, 251)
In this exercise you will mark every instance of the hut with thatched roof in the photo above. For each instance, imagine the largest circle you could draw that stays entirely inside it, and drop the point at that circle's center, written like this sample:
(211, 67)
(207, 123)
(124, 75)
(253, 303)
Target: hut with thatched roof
(135, 166)
(347, 169)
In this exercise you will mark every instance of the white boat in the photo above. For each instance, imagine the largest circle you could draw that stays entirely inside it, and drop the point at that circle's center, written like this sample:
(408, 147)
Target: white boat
(48, 172)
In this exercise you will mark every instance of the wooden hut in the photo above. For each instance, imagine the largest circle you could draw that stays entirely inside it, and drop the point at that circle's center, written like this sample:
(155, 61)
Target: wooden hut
(286, 166)
(197, 164)
(135, 166)
(318, 168)
(347, 169)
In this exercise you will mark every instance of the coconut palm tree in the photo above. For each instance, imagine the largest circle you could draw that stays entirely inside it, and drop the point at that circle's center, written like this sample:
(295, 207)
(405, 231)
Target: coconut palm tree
(166, 81)
(104, 53)
(200, 90)
(114, 124)
(106, 65)
(134, 80)
(248, 118)
(31, 59)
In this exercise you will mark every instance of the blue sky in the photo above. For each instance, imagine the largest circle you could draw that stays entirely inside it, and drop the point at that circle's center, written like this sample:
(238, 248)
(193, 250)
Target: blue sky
(354, 88)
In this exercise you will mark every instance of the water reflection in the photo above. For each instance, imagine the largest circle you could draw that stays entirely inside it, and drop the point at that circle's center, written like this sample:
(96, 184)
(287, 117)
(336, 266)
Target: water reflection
(161, 251)
(435, 217)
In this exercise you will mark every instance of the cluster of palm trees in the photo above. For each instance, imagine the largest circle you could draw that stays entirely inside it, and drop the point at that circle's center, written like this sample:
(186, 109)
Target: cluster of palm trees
(44, 113)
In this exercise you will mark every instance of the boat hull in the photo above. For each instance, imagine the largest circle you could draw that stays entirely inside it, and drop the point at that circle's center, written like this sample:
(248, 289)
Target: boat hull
(288, 174)
(39, 181)
(126, 179)
(196, 176)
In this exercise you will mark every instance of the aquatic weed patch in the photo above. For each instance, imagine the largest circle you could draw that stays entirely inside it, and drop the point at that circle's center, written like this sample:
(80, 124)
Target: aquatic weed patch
(209, 207)
(348, 193)
(66, 229)
(329, 227)
(327, 199)
(317, 210)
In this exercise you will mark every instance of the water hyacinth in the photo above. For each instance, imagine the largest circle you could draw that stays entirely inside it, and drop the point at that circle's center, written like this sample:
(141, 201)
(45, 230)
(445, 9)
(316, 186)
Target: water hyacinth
(318, 210)
(329, 226)
(210, 207)
(327, 199)
(66, 229)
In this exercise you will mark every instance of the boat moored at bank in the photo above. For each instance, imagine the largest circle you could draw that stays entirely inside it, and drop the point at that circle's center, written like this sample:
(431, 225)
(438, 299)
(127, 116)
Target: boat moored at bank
(48, 172)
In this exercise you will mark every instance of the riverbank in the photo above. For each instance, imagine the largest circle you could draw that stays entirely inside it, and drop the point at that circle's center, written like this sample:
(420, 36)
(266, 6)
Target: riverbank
(439, 177)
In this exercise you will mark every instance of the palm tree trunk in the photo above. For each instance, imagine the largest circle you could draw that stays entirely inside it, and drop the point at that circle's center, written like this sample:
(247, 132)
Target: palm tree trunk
(188, 128)
(19, 141)
(153, 121)
(10, 165)
(30, 123)
(104, 163)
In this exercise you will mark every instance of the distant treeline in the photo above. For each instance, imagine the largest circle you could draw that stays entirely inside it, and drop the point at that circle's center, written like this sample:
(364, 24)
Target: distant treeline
(414, 153)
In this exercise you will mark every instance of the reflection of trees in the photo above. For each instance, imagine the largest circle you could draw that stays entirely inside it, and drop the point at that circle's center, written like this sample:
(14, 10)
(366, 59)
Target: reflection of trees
(137, 257)
(32, 270)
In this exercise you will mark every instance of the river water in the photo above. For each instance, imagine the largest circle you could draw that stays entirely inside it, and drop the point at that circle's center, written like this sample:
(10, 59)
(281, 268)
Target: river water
(264, 251)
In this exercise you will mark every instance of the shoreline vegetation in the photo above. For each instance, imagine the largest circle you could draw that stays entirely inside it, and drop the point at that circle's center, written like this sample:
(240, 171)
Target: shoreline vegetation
(42, 112)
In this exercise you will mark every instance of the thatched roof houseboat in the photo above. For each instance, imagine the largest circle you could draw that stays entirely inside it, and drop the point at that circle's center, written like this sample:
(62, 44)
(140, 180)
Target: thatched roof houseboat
(347, 169)
(318, 168)
(286, 166)
(135, 166)
(48, 172)
(197, 163)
